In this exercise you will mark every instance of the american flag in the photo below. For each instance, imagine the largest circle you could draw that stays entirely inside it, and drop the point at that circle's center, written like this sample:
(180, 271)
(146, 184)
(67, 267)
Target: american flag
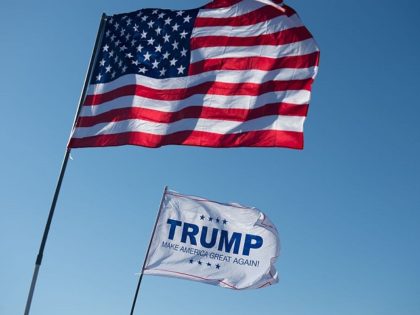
(232, 73)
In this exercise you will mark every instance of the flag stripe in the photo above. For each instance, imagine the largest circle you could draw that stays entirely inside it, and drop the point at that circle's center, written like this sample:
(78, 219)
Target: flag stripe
(221, 4)
(156, 271)
(248, 76)
(217, 88)
(257, 16)
(233, 9)
(297, 97)
(304, 47)
(261, 138)
(288, 36)
(260, 63)
(199, 111)
(275, 25)
(234, 4)
(284, 123)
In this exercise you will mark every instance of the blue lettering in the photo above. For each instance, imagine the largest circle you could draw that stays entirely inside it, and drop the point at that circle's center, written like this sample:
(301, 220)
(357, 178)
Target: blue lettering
(174, 224)
(189, 230)
(252, 241)
(203, 236)
(234, 241)
(227, 243)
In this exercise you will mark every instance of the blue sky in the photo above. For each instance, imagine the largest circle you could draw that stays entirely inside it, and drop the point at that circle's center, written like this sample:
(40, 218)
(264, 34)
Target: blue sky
(347, 207)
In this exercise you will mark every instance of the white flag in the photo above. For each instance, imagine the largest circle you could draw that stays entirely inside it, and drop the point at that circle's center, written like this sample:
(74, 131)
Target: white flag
(228, 245)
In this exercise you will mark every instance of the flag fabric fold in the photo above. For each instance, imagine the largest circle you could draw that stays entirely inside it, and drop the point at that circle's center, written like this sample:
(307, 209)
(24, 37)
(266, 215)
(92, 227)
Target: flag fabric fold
(229, 74)
(227, 245)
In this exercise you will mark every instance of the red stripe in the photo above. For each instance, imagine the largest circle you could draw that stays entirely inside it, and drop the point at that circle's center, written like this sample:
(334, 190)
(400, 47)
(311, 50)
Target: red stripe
(216, 88)
(261, 138)
(221, 4)
(288, 36)
(206, 200)
(216, 4)
(203, 112)
(257, 16)
(193, 276)
(258, 63)
(264, 285)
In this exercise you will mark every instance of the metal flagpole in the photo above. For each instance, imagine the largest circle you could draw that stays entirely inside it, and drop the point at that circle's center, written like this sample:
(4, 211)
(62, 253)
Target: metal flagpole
(88, 77)
(147, 253)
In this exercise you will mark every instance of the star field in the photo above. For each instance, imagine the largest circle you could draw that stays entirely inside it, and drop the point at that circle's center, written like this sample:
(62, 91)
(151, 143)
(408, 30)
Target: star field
(149, 42)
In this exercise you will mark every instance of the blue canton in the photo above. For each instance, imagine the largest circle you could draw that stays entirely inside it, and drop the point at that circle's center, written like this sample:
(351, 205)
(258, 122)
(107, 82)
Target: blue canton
(150, 42)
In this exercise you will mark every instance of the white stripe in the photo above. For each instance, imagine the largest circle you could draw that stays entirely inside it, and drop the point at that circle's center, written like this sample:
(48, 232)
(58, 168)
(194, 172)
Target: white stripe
(237, 9)
(300, 97)
(227, 76)
(280, 123)
(278, 6)
(295, 49)
(279, 23)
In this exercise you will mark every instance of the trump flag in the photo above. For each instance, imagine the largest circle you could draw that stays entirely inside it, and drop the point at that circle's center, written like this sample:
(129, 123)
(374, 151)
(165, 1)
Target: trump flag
(229, 74)
(227, 245)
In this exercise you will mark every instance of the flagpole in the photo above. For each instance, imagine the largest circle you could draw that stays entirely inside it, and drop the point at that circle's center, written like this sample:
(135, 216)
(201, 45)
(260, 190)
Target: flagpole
(88, 77)
(147, 253)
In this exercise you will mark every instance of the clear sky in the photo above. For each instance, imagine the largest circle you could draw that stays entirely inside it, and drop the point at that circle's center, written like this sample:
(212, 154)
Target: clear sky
(347, 207)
